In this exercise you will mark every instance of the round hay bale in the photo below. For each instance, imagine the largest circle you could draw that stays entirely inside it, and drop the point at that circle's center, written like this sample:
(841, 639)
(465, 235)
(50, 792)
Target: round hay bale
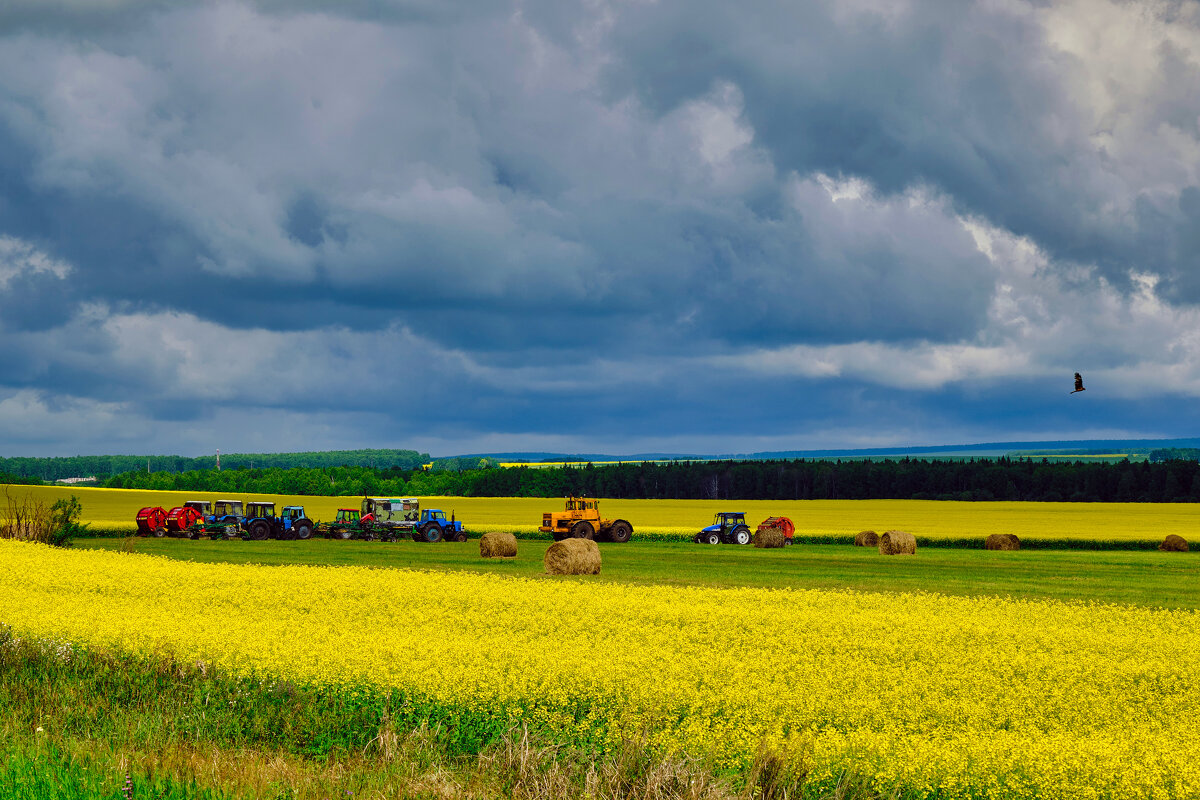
(770, 537)
(498, 545)
(1174, 543)
(866, 539)
(1002, 541)
(573, 557)
(897, 543)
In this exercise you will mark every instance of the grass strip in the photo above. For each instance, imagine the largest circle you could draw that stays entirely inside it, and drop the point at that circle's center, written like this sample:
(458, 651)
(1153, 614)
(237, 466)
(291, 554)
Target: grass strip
(82, 723)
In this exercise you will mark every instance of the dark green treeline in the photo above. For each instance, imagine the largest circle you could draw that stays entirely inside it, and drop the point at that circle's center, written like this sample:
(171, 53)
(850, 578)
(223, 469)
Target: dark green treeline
(53, 468)
(999, 479)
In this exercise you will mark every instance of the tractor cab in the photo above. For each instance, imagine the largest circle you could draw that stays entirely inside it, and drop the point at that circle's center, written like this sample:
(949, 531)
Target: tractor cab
(293, 512)
(728, 520)
(580, 504)
(257, 510)
(728, 527)
(347, 516)
(228, 508)
(202, 506)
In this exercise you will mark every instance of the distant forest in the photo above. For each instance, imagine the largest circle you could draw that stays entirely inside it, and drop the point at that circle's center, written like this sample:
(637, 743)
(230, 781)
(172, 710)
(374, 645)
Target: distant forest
(990, 479)
(51, 469)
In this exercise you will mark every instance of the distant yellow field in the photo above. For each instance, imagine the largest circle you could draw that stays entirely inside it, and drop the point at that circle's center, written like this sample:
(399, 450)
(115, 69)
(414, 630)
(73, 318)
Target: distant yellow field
(115, 509)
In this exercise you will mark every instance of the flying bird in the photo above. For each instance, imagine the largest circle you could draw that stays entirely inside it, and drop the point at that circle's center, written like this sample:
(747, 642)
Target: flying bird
(1078, 384)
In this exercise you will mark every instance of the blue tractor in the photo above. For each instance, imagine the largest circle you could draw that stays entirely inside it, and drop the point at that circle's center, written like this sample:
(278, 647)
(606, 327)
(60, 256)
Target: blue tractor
(434, 527)
(729, 527)
(220, 522)
(261, 523)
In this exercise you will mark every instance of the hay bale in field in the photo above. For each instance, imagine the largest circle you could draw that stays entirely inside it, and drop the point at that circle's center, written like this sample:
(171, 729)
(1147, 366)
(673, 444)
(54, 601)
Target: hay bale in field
(897, 543)
(770, 537)
(498, 545)
(866, 539)
(573, 557)
(1174, 543)
(1002, 541)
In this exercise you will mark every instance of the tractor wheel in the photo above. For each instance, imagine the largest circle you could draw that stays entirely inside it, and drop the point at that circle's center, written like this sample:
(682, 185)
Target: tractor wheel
(620, 532)
(431, 532)
(583, 530)
(259, 531)
(741, 535)
(160, 532)
(712, 538)
(461, 536)
(303, 528)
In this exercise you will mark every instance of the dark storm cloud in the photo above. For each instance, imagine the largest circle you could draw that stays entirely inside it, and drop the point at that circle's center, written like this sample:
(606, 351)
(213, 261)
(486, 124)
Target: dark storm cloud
(967, 97)
(536, 218)
(452, 169)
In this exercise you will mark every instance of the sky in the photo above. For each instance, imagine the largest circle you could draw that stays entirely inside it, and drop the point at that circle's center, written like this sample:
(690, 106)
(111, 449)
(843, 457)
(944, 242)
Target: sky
(619, 226)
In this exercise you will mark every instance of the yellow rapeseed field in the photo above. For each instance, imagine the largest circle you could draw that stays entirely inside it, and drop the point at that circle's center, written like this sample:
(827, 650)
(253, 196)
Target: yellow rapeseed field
(962, 697)
(114, 509)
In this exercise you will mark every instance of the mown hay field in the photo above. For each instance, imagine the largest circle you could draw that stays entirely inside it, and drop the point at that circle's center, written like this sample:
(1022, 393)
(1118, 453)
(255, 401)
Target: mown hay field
(114, 509)
(920, 695)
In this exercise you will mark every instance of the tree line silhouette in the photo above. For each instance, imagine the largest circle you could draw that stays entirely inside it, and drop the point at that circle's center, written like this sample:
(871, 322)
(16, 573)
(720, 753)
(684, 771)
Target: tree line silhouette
(981, 479)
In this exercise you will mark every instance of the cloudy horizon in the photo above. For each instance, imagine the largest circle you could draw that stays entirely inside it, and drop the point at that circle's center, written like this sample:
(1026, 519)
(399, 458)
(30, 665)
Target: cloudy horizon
(609, 226)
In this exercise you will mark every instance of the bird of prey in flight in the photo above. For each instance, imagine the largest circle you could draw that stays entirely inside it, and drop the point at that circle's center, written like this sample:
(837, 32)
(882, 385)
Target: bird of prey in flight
(1078, 384)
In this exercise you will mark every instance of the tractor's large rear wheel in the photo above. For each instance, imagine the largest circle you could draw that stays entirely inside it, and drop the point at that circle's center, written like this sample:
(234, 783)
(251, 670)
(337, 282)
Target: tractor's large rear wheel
(621, 531)
(259, 531)
(431, 532)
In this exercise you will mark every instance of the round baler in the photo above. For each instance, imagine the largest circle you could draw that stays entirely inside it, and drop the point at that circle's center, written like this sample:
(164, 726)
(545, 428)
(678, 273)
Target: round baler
(181, 519)
(782, 523)
(152, 521)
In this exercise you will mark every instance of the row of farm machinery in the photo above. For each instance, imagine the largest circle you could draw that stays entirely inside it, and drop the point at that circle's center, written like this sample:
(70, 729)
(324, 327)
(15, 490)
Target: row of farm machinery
(389, 519)
(379, 518)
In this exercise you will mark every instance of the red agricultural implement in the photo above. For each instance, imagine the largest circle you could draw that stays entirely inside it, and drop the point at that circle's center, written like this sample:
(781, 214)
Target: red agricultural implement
(783, 524)
(152, 521)
(181, 519)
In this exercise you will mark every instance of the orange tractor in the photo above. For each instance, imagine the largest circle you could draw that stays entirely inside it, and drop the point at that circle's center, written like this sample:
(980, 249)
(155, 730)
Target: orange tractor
(582, 520)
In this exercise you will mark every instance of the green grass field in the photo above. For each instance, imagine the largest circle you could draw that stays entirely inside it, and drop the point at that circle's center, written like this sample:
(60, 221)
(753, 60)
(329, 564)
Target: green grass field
(1148, 578)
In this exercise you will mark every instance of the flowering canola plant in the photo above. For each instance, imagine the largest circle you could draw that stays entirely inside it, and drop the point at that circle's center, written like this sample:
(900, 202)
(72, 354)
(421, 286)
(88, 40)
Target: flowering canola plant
(917, 693)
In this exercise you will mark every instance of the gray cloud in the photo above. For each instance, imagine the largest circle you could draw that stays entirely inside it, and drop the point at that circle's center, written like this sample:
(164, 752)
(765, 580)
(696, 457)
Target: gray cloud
(562, 216)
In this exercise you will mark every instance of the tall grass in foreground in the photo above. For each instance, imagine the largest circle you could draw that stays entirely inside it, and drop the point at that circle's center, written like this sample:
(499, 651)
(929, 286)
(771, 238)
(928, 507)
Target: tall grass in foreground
(78, 721)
